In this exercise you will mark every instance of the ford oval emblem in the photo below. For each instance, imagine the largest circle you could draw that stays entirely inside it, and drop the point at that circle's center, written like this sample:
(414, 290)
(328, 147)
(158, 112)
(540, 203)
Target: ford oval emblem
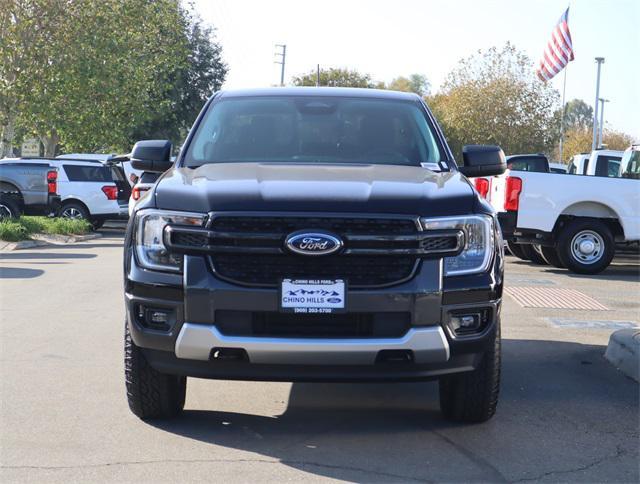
(313, 243)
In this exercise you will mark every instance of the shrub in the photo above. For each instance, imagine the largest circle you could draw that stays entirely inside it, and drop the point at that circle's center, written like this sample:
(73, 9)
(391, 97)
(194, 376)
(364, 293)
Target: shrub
(13, 230)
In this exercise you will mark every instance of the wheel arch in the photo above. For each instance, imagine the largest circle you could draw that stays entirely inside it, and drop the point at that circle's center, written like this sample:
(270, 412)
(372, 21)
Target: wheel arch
(589, 210)
(9, 188)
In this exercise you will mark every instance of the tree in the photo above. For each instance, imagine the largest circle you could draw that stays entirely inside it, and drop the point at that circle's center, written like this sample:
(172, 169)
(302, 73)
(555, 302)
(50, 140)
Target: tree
(105, 67)
(578, 114)
(416, 83)
(202, 75)
(616, 140)
(494, 97)
(335, 77)
(24, 36)
(579, 139)
(576, 140)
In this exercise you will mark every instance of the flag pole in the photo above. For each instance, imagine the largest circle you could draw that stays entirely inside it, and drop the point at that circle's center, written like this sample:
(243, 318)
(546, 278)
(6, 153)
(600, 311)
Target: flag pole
(564, 89)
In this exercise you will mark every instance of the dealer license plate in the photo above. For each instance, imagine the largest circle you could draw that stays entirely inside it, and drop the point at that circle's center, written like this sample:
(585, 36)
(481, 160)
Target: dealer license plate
(312, 296)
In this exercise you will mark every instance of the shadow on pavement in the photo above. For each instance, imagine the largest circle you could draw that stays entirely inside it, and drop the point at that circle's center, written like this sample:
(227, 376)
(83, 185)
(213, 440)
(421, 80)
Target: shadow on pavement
(19, 255)
(615, 272)
(19, 273)
(94, 244)
(552, 418)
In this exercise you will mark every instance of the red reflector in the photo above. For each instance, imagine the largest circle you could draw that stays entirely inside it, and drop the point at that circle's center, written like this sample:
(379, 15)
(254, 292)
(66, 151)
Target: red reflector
(482, 185)
(136, 193)
(111, 192)
(52, 182)
(512, 193)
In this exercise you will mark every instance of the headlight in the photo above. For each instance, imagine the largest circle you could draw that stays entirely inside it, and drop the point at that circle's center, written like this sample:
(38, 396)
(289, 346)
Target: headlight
(150, 248)
(479, 242)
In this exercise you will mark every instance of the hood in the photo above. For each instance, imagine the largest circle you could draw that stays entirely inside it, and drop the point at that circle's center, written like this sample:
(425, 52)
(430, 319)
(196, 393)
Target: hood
(305, 187)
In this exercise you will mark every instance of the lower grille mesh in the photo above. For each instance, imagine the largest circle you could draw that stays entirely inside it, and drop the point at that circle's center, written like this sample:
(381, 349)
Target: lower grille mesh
(346, 325)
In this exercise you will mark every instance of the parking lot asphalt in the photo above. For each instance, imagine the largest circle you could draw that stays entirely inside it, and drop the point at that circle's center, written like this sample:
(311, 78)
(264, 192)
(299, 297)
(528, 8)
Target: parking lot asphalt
(565, 414)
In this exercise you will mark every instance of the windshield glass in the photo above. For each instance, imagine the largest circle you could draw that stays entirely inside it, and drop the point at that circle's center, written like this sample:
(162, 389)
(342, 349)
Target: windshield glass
(314, 129)
(631, 165)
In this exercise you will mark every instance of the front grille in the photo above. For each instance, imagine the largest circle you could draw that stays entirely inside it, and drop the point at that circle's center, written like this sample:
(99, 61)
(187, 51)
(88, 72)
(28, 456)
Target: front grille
(269, 270)
(250, 249)
(287, 325)
(339, 225)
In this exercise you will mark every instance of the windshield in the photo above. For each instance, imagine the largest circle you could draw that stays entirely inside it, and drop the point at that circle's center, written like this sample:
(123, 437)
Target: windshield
(631, 165)
(315, 130)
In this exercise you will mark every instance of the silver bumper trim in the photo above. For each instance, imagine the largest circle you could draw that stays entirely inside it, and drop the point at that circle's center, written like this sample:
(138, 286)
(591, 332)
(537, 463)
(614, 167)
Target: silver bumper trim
(195, 342)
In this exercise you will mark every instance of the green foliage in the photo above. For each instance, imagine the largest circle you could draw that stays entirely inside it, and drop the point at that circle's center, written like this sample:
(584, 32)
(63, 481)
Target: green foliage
(494, 97)
(202, 75)
(335, 77)
(13, 230)
(578, 114)
(416, 83)
(88, 74)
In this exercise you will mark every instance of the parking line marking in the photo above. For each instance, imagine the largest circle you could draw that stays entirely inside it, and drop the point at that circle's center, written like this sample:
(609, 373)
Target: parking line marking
(591, 324)
(554, 298)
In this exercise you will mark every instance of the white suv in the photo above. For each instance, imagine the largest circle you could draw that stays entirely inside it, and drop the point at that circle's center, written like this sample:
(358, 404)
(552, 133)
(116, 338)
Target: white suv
(89, 189)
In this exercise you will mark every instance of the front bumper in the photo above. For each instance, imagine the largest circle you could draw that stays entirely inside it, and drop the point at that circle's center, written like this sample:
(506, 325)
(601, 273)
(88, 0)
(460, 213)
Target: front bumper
(188, 347)
(426, 345)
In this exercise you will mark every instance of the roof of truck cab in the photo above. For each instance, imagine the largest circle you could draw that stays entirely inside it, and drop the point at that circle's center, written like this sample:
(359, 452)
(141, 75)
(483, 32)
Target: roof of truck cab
(607, 153)
(86, 156)
(320, 92)
(56, 161)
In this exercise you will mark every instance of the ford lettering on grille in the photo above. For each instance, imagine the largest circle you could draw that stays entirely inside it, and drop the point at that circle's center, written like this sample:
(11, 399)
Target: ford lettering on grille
(313, 243)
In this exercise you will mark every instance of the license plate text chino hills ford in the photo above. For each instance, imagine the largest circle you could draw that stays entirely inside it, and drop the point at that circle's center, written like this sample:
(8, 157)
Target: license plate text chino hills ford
(314, 234)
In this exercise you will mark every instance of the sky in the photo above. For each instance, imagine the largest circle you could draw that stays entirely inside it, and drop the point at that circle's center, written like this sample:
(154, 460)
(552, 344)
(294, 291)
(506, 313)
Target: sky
(391, 38)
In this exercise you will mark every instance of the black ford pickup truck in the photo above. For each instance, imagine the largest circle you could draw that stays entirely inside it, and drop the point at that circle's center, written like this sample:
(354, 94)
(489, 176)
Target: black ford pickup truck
(314, 234)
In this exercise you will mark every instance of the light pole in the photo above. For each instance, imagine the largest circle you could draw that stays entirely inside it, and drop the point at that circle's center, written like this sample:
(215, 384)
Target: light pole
(283, 56)
(601, 127)
(600, 61)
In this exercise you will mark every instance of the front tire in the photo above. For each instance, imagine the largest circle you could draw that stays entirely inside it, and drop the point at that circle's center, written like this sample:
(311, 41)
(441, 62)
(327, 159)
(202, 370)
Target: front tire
(151, 394)
(586, 246)
(473, 396)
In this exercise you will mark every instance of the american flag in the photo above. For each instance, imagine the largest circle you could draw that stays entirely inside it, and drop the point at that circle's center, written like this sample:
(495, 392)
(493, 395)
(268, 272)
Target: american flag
(559, 51)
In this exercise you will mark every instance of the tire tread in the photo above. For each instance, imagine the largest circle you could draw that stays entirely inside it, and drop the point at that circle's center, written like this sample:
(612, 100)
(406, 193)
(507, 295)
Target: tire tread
(150, 394)
(473, 396)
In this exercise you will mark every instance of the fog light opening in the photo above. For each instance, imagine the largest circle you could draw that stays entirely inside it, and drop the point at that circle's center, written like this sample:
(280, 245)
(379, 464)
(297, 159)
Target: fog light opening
(468, 322)
(160, 319)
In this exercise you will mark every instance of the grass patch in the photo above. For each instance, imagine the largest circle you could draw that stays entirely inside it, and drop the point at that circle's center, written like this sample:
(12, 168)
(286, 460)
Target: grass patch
(14, 230)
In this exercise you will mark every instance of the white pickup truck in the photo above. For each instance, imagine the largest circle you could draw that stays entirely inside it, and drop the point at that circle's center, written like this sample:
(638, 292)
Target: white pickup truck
(572, 221)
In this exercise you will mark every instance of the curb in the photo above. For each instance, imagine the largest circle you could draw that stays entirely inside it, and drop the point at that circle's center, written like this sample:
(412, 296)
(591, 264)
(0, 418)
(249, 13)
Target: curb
(623, 351)
(40, 240)
(23, 244)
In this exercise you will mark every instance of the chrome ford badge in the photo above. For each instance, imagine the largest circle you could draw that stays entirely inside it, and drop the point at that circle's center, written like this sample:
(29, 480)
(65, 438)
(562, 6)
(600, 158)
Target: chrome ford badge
(313, 243)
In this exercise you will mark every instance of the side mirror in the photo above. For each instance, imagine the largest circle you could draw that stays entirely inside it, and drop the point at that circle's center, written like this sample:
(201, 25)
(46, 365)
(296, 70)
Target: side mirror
(152, 155)
(482, 160)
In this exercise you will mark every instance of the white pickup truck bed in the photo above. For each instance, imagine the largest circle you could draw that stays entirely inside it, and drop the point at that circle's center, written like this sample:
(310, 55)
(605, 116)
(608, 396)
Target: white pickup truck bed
(545, 197)
(576, 220)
